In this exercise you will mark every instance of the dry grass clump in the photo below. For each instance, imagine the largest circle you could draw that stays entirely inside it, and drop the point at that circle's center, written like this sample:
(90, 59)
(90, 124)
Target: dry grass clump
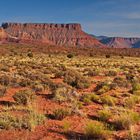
(96, 130)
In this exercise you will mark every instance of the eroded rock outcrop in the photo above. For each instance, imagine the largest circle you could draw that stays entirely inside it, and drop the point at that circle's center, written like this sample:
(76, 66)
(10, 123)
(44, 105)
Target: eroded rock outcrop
(3, 35)
(56, 34)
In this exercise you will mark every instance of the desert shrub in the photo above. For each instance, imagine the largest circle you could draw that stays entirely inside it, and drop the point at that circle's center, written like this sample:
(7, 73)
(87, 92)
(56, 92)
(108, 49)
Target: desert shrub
(32, 120)
(92, 72)
(102, 87)
(59, 74)
(24, 97)
(8, 121)
(24, 82)
(37, 87)
(4, 80)
(2, 90)
(75, 79)
(96, 130)
(79, 105)
(4, 68)
(60, 114)
(104, 115)
(111, 73)
(131, 101)
(108, 56)
(64, 93)
(121, 82)
(108, 100)
(136, 88)
(88, 98)
(130, 76)
(126, 119)
(95, 98)
(70, 55)
(66, 126)
(15, 82)
(30, 54)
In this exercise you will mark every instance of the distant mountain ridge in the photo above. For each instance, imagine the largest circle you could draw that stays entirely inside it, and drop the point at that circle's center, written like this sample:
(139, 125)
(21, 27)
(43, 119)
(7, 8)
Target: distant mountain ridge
(120, 42)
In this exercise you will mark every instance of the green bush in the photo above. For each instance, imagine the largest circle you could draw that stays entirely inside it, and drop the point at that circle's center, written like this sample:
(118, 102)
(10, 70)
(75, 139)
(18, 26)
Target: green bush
(102, 87)
(4, 80)
(64, 93)
(60, 114)
(88, 98)
(24, 97)
(32, 120)
(30, 54)
(121, 82)
(96, 130)
(66, 126)
(37, 87)
(8, 121)
(108, 100)
(111, 73)
(24, 82)
(104, 115)
(70, 55)
(124, 120)
(136, 88)
(75, 79)
(92, 72)
(132, 101)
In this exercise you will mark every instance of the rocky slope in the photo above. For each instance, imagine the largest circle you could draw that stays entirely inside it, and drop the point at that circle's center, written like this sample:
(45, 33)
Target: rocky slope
(55, 34)
(120, 42)
(3, 35)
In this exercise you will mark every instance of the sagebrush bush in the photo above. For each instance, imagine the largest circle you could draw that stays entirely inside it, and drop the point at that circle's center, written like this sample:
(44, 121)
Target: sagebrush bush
(61, 113)
(64, 93)
(88, 98)
(30, 54)
(4, 80)
(124, 120)
(131, 101)
(66, 126)
(70, 55)
(76, 80)
(111, 73)
(92, 72)
(37, 87)
(96, 130)
(8, 121)
(108, 100)
(136, 88)
(104, 115)
(121, 82)
(102, 87)
(24, 97)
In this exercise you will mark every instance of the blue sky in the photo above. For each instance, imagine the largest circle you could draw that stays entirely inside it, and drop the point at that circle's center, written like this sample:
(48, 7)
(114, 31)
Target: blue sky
(99, 17)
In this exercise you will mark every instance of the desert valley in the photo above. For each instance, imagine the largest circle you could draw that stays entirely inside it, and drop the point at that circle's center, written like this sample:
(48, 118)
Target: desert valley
(70, 70)
(58, 82)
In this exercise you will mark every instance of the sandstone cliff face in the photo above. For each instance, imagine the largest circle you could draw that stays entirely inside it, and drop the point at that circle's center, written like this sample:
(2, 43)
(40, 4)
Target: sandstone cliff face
(3, 35)
(56, 34)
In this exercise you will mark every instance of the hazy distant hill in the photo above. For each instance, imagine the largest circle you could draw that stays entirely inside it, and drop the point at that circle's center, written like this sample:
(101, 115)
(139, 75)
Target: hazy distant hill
(119, 42)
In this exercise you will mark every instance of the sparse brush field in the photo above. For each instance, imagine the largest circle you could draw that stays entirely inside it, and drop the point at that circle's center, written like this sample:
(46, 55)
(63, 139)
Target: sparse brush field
(66, 96)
